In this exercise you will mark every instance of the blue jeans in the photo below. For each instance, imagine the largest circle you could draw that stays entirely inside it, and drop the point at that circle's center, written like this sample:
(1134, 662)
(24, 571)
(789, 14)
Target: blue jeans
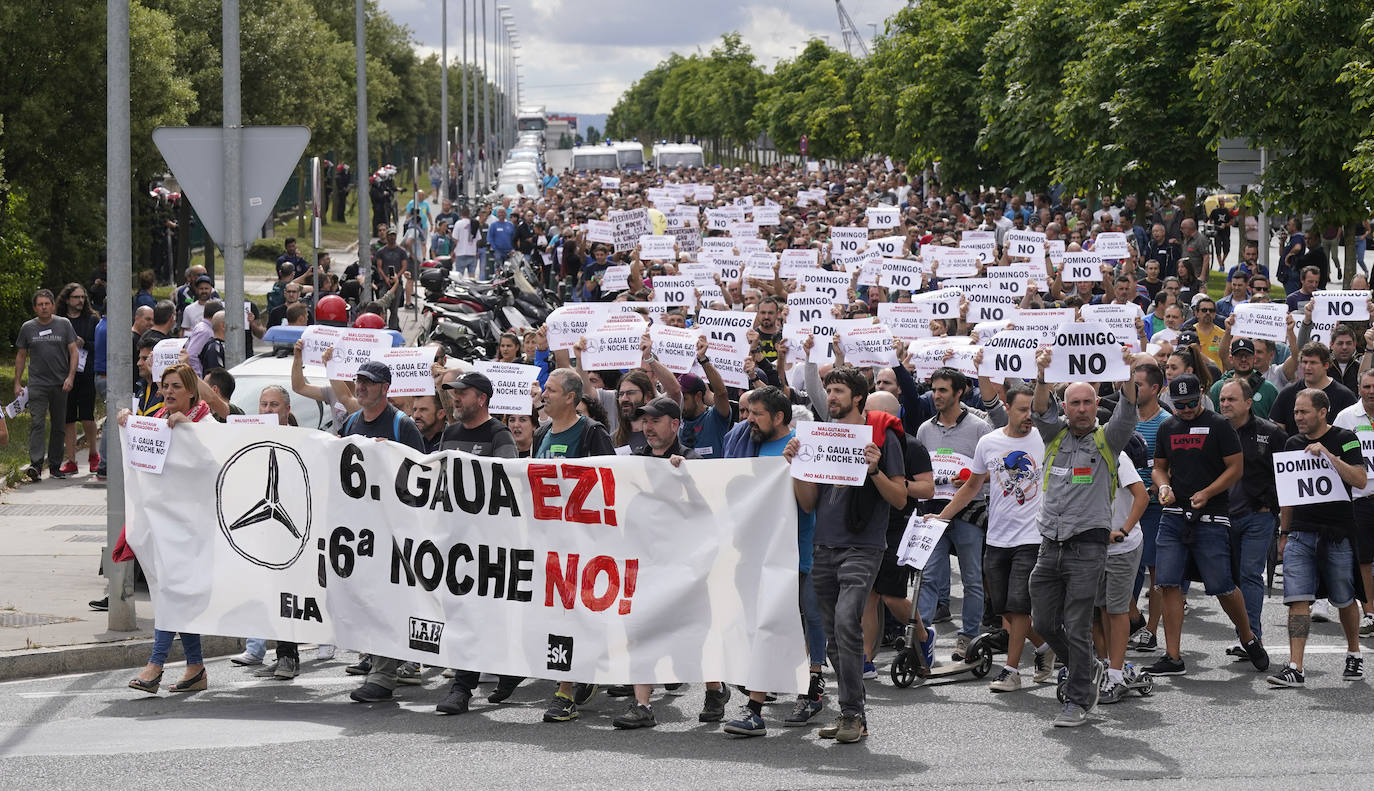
(1305, 565)
(162, 644)
(1210, 550)
(255, 646)
(1251, 536)
(1149, 524)
(465, 264)
(1063, 590)
(967, 540)
(811, 620)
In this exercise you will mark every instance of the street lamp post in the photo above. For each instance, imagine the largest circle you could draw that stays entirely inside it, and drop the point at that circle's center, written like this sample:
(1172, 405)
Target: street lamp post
(443, 106)
(464, 145)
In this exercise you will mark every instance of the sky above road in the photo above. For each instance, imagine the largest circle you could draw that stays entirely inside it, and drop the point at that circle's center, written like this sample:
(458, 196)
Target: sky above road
(580, 55)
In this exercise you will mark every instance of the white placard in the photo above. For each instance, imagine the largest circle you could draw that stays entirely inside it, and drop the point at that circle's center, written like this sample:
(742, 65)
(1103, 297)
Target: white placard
(147, 441)
(166, 353)
(727, 352)
(615, 278)
(613, 349)
(906, 320)
(1081, 267)
(703, 192)
(833, 284)
(812, 166)
(710, 295)
(602, 231)
(252, 420)
(675, 348)
(831, 453)
(653, 247)
(750, 245)
(808, 197)
(865, 344)
(743, 230)
(1338, 306)
(988, 304)
(919, 540)
(629, 226)
(570, 322)
(702, 275)
(948, 465)
(510, 386)
(759, 266)
(766, 215)
(610, 183)
(21, 403)
(982, 243)
(675, 290)
(1056, 250)
(900, 273)
(1086, 352)
(353, 348)
(1010, 353)
(1111, 245)
(856, 262)
(737, 321)
(942, 304)
(1263, 320)
(412, 370)
(1026, 244)
(1302, 479)
(880, 217)
(1120, 319)
(315, 340)
(888, 246)
(793, 262)
(951, 261)
(847, 240)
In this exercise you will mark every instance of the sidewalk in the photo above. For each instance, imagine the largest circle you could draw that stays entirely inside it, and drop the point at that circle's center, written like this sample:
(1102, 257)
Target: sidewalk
(53, 537)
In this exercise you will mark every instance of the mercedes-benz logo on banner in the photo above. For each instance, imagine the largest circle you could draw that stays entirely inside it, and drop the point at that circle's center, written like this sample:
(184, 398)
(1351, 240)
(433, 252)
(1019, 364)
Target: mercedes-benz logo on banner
(273, 530)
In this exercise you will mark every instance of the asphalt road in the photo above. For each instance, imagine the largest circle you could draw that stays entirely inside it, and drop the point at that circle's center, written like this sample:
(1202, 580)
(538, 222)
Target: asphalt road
(1218, 726)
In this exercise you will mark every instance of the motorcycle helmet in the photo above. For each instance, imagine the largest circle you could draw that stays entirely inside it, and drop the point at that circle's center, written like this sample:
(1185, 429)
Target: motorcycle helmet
(332, 310)
(369, 321)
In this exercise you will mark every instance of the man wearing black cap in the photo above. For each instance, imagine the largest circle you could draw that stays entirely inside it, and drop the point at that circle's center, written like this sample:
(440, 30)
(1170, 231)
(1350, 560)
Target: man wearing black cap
(1198, 458)
(705, 422)
(480, 434)
(1242, 358)
(380, 420)
(204, 288)
(661, 417)
(476, 431)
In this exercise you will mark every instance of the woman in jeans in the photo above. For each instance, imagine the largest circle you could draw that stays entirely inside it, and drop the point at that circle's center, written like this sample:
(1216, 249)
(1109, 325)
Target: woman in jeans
(180, 404)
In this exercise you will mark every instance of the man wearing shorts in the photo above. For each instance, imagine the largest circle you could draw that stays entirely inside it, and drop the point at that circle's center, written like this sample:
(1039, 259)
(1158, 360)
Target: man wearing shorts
(1198, 459)
(1010, 460)
(1359, 418)
(1314, 541)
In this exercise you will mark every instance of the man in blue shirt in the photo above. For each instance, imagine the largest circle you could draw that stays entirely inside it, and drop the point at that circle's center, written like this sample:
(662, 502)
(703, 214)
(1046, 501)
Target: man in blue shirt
(501, 236)
(704, 424)
(293, 257)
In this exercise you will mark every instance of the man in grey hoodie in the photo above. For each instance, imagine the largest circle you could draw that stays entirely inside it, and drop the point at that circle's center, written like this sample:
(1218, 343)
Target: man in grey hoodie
(1081, 458)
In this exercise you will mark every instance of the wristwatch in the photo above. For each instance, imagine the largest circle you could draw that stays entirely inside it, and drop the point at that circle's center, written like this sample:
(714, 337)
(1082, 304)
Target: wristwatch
(703, 361)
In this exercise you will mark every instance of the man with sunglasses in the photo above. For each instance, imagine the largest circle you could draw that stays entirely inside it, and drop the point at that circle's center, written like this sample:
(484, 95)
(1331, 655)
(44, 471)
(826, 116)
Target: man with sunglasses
(1198, 458)
(1208, 333)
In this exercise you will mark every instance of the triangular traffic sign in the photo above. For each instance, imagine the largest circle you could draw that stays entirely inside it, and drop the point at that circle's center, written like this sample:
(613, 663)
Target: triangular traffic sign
(195, 155)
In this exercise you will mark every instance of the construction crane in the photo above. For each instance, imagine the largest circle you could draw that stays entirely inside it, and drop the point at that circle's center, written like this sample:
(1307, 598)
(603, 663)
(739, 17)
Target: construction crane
(852, 39)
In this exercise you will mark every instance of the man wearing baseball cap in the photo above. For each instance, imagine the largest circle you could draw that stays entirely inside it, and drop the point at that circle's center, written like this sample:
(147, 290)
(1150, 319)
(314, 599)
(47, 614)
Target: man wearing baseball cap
(1198, 458)
(475, 431)
(662, 417)
(1242, 359)
(379, 419)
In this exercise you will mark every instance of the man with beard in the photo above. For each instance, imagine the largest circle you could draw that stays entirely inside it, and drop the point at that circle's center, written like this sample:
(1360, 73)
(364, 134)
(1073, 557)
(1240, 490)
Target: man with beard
(705, 423)
(766, 323)
(431, 418)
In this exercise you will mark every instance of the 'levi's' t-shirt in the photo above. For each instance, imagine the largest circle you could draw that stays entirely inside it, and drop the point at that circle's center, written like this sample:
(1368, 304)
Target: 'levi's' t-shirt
(1196, 451)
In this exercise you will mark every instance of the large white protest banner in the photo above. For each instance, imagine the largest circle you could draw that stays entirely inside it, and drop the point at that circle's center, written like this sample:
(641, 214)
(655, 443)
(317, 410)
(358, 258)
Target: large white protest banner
(166, 353)
(147, 441)
(510, 386)
(1336, 305)
(354, 347)
(562, 569)
(831, 452)
(1086, 352)
(252, 420)
(411, 370)
(1010, 353)
(1264, 320)
(1302, 478)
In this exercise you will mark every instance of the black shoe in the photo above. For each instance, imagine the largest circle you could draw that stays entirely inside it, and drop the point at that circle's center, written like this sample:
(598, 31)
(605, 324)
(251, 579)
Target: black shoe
(361, 668)
(371, 693)
(100, 605)
(620, 691)
(583, 693)
(1167, 666)
(55, 472)
(33, 473)
(456, 702)
(1257, 655)
(504, 689)
(942, 614)
(639, 716)
(713, 710)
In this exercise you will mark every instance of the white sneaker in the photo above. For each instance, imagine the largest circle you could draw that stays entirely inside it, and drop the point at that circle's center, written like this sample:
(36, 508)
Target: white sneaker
(246, 659)
(1367, 625)
(1007, 681)
(1321, 611)
(324, 652)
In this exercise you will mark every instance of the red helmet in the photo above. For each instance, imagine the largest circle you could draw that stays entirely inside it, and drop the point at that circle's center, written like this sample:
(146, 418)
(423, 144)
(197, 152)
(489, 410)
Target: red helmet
(333, 309)
(369, 321)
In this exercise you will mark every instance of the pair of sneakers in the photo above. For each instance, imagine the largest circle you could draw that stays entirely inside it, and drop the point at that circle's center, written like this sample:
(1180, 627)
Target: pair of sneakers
(1073, 714)
(564, 708)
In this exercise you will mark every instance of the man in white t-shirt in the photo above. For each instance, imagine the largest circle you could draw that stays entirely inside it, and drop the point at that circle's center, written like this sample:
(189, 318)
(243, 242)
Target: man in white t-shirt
(465, 237)
(1112, 629)
(1010, 460)
(1359, 417)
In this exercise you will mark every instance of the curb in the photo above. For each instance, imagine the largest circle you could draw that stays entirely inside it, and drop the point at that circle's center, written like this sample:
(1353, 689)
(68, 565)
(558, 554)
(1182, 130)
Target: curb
(126, 654)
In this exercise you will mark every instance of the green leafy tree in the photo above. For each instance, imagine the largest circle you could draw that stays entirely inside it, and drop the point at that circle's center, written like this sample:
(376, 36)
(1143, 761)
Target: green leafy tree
(813, 95)
(593, 136)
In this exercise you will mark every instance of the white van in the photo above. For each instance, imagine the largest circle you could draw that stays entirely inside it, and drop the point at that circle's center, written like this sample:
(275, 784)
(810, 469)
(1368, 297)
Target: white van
(678, 155)
(589, 158)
